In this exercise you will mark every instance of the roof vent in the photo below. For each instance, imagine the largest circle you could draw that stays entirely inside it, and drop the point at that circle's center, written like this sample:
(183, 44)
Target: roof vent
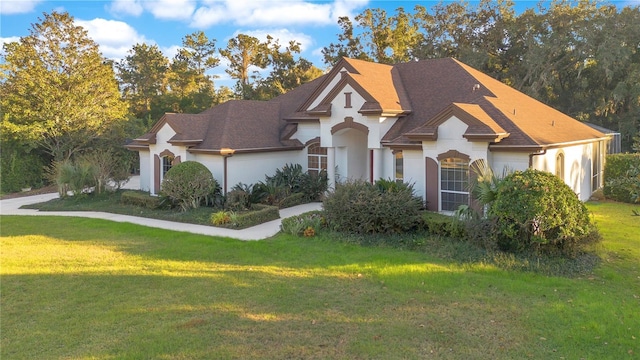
(476, 87)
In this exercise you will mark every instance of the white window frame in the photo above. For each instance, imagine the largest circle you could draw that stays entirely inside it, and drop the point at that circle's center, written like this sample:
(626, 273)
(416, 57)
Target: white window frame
(460, 187)
(398, 166)
(319, 157)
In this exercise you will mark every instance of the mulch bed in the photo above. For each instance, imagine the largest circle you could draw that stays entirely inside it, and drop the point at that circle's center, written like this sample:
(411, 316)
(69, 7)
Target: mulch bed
(45, 190)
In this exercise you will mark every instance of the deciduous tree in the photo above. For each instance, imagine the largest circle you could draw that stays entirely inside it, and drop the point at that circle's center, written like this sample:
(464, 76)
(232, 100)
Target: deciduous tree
(57, 90)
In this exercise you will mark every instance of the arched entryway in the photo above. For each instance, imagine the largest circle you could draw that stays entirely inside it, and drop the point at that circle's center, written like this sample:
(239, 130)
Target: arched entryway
(351, 151)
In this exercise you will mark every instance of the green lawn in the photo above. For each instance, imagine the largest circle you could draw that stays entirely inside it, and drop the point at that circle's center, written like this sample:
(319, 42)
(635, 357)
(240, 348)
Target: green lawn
(89, 289)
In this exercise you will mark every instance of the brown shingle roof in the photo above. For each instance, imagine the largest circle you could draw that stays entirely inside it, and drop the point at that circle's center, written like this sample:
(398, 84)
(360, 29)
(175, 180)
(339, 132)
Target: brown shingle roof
(428, 91)
(433, 85)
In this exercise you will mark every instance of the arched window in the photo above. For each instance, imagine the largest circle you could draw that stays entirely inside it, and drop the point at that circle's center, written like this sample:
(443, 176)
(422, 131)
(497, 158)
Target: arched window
(399, 165)
(560, 165)
(454, 183)
(317, 159)
(167, 163)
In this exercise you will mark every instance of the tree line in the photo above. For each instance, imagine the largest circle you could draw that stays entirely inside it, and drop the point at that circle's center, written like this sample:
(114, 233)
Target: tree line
(60, 98)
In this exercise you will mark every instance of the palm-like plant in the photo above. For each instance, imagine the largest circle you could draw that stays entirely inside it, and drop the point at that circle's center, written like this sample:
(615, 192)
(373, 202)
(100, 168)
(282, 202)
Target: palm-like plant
(485, 185)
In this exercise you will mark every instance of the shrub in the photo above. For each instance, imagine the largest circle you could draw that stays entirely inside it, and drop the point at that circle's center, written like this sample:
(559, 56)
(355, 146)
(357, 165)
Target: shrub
(107, 169)
(293, 200)
(622, 178)
(72, 176)
(289, 177)
(442, 225)
(259, 214)
(536, 211)
(220, 218)
(237, 200)
(297, 225)
(142, 199)
(188, 184)
(361, 208)
(19, 168)
(313, 186)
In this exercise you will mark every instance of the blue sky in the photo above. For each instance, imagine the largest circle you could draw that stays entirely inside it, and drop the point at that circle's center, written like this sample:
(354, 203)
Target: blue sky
(117, 25)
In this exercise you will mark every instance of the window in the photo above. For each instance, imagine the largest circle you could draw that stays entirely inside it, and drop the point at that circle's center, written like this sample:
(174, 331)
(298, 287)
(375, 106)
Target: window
(347, 100)
(317, 159)
(454, 183)
(399, 165)
(596, 165)
(560, 165)
(167, 162)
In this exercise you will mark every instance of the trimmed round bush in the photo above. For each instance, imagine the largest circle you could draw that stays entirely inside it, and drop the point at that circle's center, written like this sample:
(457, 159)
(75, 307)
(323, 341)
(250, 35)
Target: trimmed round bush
(536, 211)
(359, 207)
(188, 184)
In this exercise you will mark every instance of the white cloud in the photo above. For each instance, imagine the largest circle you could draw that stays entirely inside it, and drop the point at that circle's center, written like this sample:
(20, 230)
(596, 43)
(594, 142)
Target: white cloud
(253, 13)
(126, 7)
(272, 12)
(171, 9)
(115, 38)
(170, 51)
(346, 8)
(6, 40)
(8, 7)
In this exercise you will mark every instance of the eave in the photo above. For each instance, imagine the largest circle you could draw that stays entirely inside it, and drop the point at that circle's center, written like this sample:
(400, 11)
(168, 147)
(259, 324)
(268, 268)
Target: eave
(137, 147)
(185, 142)
(229, 152)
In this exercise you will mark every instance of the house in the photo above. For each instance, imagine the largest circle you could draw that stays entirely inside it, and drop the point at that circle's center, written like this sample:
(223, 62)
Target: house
(424, 122)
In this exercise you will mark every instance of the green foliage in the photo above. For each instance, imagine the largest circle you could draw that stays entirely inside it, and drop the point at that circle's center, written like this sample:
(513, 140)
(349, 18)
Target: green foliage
(220, 218)
(293, 200)
(622, 177)
(74, 176)
(313, 186)
(442, 225)
(242, 196)
(107, 169)
(19, 168)
(361, 208)
(289, 186)
(617, 165)
(258, 214)
(296, 225)
(388, 185)
(536, 211)
(142, 199)
(57, 92)
(189, 184)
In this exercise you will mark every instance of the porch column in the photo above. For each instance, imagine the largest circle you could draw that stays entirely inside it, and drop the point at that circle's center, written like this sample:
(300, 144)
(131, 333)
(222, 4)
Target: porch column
(376, 164)
(331, 167)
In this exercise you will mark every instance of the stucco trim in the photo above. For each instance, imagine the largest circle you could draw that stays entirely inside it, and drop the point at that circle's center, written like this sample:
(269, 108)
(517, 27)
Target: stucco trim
(166, 152)
(349, 124)
(453, 154)
(312, 141)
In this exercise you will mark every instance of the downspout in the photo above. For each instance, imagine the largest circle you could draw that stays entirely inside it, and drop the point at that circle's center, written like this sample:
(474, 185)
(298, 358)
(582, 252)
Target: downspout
(224, 170)
(226, 154)
(542, 152)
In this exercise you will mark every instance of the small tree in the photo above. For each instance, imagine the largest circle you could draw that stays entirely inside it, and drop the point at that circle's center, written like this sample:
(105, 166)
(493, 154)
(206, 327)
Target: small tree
(189, 184)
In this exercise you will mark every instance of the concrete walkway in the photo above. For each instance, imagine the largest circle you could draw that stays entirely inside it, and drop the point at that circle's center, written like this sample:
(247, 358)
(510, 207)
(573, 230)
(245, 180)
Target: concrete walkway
(258, 232)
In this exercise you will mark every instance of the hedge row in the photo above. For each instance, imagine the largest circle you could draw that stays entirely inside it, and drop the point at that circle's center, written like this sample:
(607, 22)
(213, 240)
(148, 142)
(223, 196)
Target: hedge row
(259, 214)
(142, 199)
(622, 177)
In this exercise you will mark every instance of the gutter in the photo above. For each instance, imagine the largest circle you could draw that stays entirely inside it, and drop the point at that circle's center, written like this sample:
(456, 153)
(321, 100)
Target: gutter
(541, 152)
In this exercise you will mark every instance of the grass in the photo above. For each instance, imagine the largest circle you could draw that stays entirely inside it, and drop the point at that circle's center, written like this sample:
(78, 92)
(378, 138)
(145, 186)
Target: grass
(110, 202)
(91, 289)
